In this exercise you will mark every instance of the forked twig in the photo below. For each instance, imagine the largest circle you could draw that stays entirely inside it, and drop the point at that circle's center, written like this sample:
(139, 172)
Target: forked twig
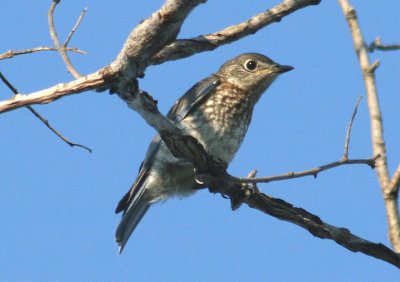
(61, 48)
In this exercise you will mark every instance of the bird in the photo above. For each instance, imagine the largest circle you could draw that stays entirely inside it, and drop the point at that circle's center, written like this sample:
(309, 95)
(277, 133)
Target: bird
(217, 112)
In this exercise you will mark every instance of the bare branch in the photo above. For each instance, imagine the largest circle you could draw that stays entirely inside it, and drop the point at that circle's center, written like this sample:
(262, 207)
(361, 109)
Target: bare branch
(75, 27)
(311, 172)
(377, 45)
(378, 143)
(147, 39)
(348, 133)
(11, 53)
(56, 41)
(342, 236)
(187, 47)
(42, 119)
(56, 132)
(91, 82)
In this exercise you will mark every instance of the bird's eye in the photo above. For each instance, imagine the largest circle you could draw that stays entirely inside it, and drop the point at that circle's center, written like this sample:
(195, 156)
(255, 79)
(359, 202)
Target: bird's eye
(250, 65)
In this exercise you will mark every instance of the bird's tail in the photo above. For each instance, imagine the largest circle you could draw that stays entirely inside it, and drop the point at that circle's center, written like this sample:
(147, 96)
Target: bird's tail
(130, 219)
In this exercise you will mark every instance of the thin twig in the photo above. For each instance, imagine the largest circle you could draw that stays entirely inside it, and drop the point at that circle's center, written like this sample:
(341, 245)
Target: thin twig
(56, 41)
(377, 45)
(42, 119)
(348, 133)
(378, 142)
(311, 172)
(78, 22)
(11, 53)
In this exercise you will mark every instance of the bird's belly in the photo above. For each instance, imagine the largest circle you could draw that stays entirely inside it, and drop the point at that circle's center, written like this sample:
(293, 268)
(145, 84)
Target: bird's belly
(170, 176)
(221, 140)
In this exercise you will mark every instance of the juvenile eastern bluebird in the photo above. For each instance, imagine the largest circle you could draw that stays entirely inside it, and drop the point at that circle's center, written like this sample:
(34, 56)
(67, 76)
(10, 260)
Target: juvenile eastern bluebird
(216, 111)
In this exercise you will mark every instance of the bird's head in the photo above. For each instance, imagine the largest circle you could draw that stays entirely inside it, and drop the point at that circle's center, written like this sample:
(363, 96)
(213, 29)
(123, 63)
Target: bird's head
(251, 72)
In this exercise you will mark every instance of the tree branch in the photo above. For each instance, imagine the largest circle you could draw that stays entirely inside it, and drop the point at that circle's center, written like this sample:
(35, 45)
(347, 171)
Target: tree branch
(395, 183)
(91, 82)
(348, 133)
(75, 27)
(342, 236)
(377, 45)
(148, 38)
(60, 48)
(11, 53)
(42, 119)
(311, 172)
(378, 143)
(187, 47)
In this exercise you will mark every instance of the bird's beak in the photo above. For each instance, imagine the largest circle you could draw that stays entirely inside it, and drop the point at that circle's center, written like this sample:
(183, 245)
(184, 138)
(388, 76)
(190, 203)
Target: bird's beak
(282, 68)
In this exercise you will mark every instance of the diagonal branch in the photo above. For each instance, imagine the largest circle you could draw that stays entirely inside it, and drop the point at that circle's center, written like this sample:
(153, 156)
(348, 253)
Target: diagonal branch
(342, 236)
(187, 47)
(147, 39)
(378, 143)
(75, 27)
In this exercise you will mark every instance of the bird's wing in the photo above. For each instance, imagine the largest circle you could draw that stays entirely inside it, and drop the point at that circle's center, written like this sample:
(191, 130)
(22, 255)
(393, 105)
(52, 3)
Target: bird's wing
(192, 98)
(124, 203)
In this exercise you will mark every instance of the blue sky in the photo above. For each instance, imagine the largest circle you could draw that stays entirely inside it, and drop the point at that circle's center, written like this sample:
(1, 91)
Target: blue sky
(57, 204)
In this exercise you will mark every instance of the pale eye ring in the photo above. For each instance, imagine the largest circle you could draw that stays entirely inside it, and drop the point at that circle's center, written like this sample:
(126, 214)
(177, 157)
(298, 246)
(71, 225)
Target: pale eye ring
(250, 65)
